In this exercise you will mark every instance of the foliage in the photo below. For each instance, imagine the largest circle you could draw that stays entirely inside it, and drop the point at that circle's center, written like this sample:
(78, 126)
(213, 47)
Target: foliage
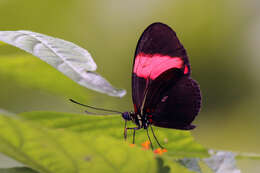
(48, 150)
(62, 142)
(183, 145)
(61, 150)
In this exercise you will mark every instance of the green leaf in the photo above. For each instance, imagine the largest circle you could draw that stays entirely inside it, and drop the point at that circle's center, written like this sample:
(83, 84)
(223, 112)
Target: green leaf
(167, 165)
(29, 72)
(17, 170)
(180, 144)
(50, 151)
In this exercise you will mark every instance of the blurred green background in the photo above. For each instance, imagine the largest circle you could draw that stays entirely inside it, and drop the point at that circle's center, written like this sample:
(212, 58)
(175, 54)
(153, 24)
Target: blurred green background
(222, 39)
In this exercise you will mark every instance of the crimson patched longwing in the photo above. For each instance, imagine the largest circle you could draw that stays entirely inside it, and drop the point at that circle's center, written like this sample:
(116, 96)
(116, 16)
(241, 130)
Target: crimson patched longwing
(163, 92)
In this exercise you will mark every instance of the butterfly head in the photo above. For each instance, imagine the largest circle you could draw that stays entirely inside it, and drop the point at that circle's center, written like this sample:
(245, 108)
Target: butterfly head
(128, 116)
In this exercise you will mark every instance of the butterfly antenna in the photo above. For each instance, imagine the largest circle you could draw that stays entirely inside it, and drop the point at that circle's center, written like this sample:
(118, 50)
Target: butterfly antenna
(149, 138)
(100, 109)
(94, 113)
(156, 138)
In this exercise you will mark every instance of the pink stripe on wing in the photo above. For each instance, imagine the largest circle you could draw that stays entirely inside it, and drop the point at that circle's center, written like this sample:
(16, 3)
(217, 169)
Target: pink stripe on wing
(153, 65)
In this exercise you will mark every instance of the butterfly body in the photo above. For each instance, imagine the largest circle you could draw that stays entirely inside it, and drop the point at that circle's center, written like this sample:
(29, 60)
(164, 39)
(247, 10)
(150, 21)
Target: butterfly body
(163, 92)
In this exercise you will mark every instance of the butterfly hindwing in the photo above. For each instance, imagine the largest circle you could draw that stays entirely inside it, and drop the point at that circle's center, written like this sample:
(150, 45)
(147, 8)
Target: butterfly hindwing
(178, 105)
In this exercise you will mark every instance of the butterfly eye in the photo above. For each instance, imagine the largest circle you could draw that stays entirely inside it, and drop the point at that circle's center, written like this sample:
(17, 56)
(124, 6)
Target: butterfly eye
(164, 98)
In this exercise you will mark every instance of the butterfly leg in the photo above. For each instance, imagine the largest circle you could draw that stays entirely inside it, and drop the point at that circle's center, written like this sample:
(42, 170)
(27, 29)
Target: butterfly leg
(156, 138)
(125, 130)
(134, 129)
(149, 138)
(134, 136)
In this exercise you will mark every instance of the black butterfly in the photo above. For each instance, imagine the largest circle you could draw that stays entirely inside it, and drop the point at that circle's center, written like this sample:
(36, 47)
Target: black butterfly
(163, 92)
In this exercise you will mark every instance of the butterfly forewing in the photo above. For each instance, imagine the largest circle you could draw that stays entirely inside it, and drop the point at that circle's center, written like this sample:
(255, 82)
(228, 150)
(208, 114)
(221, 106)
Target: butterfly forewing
(157, 51)
(161, 87)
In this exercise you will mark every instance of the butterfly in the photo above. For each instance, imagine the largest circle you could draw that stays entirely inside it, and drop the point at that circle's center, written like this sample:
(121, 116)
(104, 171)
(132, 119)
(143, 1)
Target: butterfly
(163, 92)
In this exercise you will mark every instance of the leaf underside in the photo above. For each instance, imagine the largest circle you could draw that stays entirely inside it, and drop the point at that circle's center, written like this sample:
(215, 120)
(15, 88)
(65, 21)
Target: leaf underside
(70, 59)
